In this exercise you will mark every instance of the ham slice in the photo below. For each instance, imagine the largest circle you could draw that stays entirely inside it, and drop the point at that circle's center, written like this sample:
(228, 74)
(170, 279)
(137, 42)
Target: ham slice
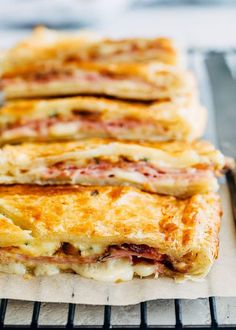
(133, 250)
(69, 255)
(102, 168)
(75, 75)
(89, 122)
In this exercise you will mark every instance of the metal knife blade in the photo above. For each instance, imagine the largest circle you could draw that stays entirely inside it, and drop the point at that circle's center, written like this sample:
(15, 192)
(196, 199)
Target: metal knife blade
(223, 86)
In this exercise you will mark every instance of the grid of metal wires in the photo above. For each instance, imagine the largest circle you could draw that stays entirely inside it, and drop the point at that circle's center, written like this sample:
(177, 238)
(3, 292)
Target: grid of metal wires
(107, 317)
(198, 62)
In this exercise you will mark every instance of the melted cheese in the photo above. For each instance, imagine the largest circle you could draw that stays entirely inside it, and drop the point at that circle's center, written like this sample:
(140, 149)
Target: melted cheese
(114, 270)
(129, 176)
(89, 249)
(41, 248)
(135, 152)
(36, 248)
(48, 270)
(13, 268)
(110, 271)
(12, 134)
(144, 269)
(64, 129)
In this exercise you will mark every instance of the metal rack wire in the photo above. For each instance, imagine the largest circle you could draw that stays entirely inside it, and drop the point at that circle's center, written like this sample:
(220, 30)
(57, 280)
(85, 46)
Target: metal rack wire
(107, 318)
(197, 60)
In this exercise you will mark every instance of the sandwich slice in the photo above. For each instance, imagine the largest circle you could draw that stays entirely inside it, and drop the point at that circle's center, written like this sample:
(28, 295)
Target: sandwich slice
(171, 168)
(75, 118)
(48, 47)
(139, 81)
(107, 233)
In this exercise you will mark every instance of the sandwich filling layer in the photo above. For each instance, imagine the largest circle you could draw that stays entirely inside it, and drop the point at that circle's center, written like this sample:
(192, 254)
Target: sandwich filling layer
(84, 116)
(175, 168)
(115, 262)
(83, 125)
(135, 81)
(140, 172)
(96, 82)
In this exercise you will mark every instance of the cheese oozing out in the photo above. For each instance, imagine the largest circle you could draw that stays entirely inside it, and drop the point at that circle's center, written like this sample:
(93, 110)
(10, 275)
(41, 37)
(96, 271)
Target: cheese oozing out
(114, 270)
(111, 270)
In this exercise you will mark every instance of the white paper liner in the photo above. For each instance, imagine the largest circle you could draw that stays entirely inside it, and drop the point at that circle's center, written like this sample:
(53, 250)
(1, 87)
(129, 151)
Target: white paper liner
(70, 288)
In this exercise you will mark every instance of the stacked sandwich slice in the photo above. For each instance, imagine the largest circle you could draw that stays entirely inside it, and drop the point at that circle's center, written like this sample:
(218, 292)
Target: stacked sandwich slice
(107, 180)
(78, 117)
(169, 168)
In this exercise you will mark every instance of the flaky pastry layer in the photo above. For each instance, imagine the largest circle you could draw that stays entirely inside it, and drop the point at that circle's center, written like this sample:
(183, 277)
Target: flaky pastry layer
(52, 47)
(175, 168)
(83, 117)
(149, 81)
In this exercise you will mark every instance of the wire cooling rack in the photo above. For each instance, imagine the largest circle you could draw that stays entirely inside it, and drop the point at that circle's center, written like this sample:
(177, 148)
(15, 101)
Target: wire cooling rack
(107, 318)
(210, 68)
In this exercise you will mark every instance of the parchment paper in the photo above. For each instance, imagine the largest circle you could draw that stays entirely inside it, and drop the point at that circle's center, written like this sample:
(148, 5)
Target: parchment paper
(75, 289)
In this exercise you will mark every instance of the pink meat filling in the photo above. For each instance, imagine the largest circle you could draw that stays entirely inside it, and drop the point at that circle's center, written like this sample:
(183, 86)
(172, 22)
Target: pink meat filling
(41, 127)
(75, 75)
(68, 255)
(101, 169)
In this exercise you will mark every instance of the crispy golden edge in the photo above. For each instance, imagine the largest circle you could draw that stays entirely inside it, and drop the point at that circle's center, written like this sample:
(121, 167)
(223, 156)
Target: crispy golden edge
(174, 148)
(12, 232)
(112, 215)
(148, 72)
(44, 37)
(45, 45)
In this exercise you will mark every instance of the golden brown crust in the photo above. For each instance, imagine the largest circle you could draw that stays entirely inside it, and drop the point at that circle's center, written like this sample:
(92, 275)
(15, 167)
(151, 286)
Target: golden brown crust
(55, 47)
(10, 233)
(174, 119)
(21, 110)
(114, 215)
